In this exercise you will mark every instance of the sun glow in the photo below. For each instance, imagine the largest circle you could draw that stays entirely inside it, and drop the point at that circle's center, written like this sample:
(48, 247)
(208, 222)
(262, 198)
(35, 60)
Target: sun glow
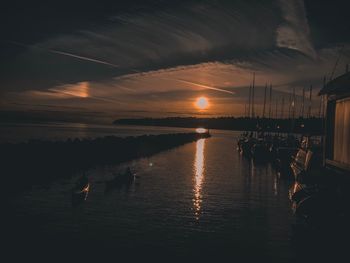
(80, 90)
(202, 103)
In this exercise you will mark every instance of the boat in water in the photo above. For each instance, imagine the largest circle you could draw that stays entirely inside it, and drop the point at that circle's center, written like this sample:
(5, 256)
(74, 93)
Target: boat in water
(122, 179)
(307, 162)
(260, 150)
(81, 190)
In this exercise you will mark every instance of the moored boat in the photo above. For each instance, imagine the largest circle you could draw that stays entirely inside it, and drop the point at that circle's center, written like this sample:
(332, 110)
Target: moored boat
(260, 150)
(120, 180)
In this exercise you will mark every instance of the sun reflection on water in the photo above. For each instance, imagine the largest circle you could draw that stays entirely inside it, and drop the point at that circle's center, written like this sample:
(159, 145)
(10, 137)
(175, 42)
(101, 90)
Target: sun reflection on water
(201, 130)
(198, 177)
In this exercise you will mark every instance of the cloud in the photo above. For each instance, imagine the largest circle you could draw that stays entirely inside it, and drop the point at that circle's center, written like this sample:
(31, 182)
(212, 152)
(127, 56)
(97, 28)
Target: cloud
(84, 58)
(80, 90)
(294, 32)
(188, 34)
(163, 56)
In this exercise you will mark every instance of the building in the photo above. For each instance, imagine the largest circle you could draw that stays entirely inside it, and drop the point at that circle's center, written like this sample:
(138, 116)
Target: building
(337, 139)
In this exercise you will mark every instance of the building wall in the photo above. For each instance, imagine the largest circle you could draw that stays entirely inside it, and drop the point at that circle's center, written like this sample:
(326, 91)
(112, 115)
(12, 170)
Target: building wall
(341, 147)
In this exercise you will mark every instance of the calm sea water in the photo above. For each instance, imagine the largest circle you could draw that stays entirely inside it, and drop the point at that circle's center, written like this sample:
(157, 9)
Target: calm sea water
(199, 199)
(19, 132)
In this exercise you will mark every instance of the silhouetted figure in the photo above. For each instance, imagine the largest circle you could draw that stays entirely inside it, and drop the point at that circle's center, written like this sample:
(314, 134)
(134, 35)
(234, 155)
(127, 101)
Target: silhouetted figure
(120, 180)
(82, 182)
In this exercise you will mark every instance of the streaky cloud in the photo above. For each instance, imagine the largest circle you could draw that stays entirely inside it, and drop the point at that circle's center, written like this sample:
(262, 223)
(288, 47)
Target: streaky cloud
(204, 86)
(84, 58)
(294, 32)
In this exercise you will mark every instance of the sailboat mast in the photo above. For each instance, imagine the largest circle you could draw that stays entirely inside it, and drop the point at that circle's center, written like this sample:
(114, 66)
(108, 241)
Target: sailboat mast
(293, 104)
(320, 107)
(263, 114)
(303, 103)
(282, 108)
(276, 114)
(290, 105)
(310, 101)
(270, 101)
(249, 100)
(253, 91)
(323, 97)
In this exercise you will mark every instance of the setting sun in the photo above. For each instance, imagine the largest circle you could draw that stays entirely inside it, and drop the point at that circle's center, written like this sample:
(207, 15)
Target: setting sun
(202, 103)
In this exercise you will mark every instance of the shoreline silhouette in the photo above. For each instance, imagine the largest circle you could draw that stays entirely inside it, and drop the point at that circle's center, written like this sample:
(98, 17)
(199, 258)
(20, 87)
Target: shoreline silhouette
(313, 125)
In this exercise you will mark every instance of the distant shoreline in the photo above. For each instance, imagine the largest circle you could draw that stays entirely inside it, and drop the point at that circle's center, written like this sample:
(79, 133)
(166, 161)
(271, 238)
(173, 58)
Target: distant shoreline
(41, 162)
(313, 126)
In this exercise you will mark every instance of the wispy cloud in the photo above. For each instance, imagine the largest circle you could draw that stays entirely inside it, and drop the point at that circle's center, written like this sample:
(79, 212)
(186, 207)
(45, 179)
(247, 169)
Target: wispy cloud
(84, 58)
(294, 32)
(162, 58)
(203, 86)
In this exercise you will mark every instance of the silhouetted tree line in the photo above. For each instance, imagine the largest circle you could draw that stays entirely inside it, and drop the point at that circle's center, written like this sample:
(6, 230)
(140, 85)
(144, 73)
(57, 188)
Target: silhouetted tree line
(40, 162)
(300, 125)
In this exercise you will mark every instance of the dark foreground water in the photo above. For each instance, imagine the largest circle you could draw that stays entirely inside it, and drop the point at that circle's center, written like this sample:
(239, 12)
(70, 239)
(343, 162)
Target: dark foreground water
(198, 201)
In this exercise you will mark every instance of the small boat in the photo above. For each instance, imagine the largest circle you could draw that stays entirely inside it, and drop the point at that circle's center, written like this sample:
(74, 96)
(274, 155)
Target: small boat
(283, 159)
(303, 199)
(241, 140)
(313, 201)
(120, 180)
(260, 150)
(247, 147)
(307, 162)
(81, 190)
(300, 191)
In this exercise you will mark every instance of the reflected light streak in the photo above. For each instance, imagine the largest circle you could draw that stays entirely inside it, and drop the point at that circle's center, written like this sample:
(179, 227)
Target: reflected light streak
(275, 188)
(201, 130)
(198, 177)
(252, 169)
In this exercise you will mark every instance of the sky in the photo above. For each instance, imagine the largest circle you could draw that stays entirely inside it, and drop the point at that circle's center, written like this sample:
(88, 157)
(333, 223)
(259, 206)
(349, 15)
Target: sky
(96, 62)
